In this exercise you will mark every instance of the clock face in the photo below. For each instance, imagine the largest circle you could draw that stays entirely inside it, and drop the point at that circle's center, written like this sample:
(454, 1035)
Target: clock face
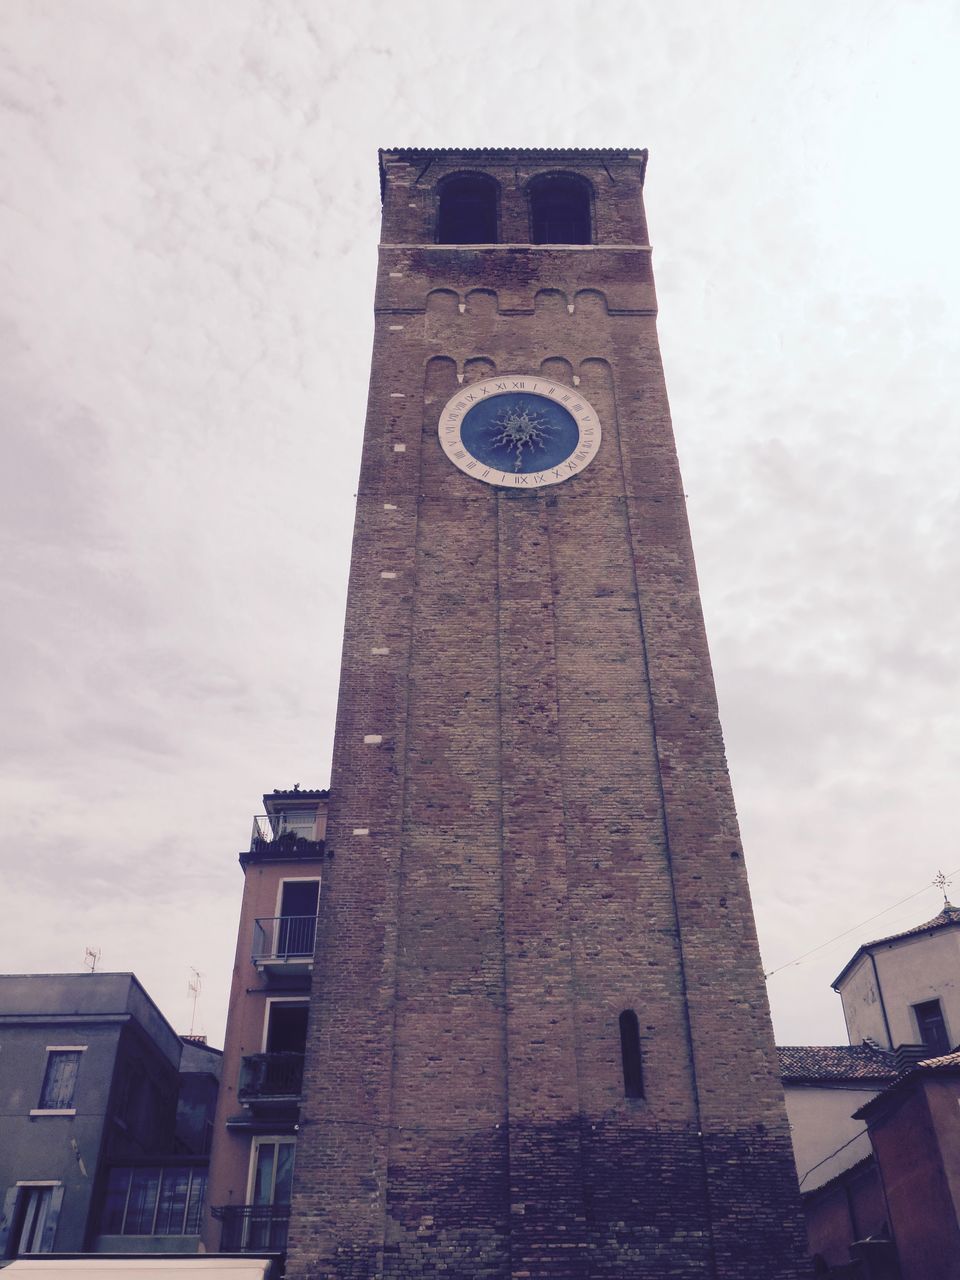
(519, 431)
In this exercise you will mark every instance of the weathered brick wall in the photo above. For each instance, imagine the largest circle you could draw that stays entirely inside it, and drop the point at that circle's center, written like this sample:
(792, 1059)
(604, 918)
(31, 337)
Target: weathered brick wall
(545, 835)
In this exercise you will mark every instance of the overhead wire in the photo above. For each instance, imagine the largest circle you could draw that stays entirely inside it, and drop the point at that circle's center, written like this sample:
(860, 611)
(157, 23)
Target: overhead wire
(939, 881)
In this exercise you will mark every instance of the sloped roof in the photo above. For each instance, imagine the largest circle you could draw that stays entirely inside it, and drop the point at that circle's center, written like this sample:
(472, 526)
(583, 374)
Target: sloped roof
(949, 916)
(947, 1063)
(835, 1062)
(297, 793)
(548, 153)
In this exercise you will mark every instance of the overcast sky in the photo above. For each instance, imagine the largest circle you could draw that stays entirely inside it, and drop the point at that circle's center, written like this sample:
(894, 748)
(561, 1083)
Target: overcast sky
(189, 216)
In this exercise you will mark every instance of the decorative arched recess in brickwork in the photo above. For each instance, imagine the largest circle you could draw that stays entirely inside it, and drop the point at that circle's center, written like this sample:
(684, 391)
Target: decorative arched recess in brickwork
(482, 302)
(439, 379)
(591, 302)
(467, 206)
(560, 209)
(557, 367)
(596, 372)
(443, 301)
(596, 380)
(630, 1055)
(477, 368)
(551, 302)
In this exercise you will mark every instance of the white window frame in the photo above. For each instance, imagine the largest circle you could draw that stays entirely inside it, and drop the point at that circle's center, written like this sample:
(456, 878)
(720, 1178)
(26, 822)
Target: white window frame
(296, 880)
(301, 1000)
(33, 1184)
(260, 1140)
(57, 1111)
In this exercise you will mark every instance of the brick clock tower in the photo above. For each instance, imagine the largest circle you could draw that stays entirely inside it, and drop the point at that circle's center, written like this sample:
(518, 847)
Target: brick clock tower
(539, 1043)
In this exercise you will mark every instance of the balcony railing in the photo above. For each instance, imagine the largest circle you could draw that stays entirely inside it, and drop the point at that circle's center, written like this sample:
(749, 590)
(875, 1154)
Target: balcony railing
(281, 838)
(277, 939)
(271, 1075)
(253, 1228)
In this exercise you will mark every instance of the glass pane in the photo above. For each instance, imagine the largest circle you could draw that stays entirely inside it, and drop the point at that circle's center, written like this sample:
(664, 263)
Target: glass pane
(144, 1185)
(116, 1199)
(284, 1182)
(304, 824)
(258, 1231)
(198, 1187)
(263, 1178)
(173, 1202)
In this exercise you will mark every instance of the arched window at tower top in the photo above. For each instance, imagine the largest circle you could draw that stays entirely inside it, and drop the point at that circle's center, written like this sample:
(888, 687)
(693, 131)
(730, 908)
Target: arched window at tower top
(560, 210)
(468, 210)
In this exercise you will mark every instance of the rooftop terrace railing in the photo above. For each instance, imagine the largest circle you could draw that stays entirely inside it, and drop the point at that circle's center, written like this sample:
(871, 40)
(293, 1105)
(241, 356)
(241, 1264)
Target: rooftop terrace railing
(279, 837)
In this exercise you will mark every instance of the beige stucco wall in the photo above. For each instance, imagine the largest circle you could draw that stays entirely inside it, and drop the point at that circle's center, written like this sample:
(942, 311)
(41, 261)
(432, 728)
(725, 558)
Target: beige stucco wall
(925, 967)
(822, 1126)
(861, 1005)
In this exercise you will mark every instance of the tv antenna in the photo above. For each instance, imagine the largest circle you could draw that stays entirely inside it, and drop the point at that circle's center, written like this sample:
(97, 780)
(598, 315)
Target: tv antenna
(194, 986)
(91, 958)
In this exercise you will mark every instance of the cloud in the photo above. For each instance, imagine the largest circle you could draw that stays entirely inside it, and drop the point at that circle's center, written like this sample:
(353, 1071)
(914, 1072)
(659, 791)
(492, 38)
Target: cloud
(190, 205)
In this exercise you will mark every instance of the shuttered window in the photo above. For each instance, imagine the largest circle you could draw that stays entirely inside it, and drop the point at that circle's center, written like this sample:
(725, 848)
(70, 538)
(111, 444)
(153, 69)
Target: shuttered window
(59, 1079)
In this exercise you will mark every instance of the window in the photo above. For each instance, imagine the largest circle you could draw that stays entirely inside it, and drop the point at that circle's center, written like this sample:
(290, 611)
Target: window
(297, 918)
(630, 1055)
(285, 1029)
(560, 210)
(154, 1201)
(60, 1078)
(272, 1173)
(34, 1208)
(271, 1189)
(301, 822)
(930, 1024)
(468, 210)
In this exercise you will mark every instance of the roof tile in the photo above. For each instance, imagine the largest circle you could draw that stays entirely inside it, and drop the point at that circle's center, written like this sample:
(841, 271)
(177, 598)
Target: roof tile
(836, 1062)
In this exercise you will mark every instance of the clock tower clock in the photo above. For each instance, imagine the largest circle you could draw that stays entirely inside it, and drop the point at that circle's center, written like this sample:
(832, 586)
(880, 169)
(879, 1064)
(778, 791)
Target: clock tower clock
(539, 1044)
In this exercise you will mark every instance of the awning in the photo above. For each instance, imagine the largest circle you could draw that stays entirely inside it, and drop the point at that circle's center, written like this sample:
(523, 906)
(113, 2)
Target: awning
(201, 1266)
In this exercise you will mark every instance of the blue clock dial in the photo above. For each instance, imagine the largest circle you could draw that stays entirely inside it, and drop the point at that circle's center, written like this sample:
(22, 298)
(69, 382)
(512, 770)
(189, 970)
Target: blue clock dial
(519, 431)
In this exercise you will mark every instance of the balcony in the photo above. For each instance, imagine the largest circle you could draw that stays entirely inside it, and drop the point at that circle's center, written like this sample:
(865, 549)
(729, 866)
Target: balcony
(283, 945)
(253, 1228)
(280, 838)
(267, 1078)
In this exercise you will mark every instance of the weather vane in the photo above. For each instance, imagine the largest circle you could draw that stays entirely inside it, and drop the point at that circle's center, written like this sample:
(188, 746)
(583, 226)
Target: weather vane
(942, 882)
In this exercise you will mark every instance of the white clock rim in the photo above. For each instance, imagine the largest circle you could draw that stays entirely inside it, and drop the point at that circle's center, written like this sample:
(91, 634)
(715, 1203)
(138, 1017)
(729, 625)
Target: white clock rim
(584, 412)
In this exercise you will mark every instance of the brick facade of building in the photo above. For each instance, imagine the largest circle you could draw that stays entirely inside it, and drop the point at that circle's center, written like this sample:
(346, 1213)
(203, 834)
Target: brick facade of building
(531, 825)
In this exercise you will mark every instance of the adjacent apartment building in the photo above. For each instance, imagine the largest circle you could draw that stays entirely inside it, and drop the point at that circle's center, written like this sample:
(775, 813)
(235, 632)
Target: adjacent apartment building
(251, 1172)
(105, 1118)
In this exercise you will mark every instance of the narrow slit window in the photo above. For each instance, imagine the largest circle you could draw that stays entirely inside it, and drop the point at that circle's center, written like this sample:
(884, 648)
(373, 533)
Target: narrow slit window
(631, 1055)
(468, 210)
